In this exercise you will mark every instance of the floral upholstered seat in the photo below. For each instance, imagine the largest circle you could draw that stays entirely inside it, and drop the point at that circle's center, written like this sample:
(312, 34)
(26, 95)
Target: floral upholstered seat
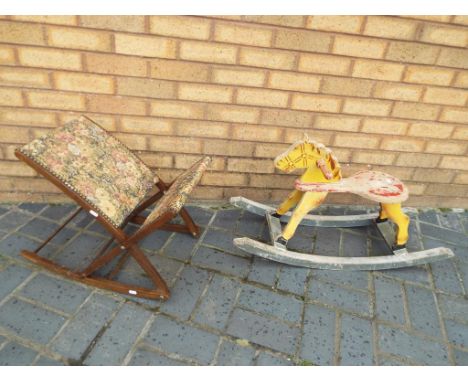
(95, 165)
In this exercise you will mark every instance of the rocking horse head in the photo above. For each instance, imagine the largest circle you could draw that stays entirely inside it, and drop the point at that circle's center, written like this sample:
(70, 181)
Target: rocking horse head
(311, 155)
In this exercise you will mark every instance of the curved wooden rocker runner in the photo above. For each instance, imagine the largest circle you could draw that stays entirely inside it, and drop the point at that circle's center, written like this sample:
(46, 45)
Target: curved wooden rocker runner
(323, 175)
(107, 180)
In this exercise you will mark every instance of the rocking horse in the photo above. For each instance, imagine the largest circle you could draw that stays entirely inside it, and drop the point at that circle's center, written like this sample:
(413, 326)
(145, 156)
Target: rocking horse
(322, 176)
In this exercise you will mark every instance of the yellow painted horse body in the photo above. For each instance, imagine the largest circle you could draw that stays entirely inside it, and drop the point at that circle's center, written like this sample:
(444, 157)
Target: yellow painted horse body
(323, 172)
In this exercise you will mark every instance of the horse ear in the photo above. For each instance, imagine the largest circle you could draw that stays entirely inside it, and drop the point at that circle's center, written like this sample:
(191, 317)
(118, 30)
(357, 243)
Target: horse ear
(306, 137)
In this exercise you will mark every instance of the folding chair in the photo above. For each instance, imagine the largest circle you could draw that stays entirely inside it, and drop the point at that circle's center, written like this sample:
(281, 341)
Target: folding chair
(107, 180)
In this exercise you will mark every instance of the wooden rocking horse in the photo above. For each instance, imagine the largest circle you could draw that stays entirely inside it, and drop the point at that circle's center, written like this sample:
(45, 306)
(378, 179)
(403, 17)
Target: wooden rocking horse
(322, 176)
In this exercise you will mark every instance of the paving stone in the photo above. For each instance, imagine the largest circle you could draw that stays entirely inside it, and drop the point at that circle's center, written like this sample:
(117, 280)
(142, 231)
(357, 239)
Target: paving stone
(226, 219)
(155, 241)
(300, 243)
(267, 359)
(39, 228)
(327, 242)
(63, 237)
(216, 260)
(293, 279)
(457, 333)
(180, 246)
(112, 347)
(80, 251)
(351, 300)
(460, 252)
(58, 212)
(14, 354)
(13, 220)
(263, 301)
(11, 277)
(354, 245)
(186, 292)
(57, 293)
(461, 357)
(454, 307)
(389, 300)
(379, 248)
(445, 277)
(257, 329)
(413, 274)
(232, 354)
(182, 339)
(96, 228)
(451, 221)
(318, 339)
(201, 216)
(356, 341)
(429, 216)
(144, 357)
(414, 239)
(83, 328)
(224, 241)
(423, 311)
(358, 280)
(29, 321)
(263, 271)
(419, 350)
(217, 303)
(250, 225)
(444, 234)
(44, 361)
(3, 210)
(82, 220)
(11, 246)
(32, 207)
(462, 267)
(388, 361)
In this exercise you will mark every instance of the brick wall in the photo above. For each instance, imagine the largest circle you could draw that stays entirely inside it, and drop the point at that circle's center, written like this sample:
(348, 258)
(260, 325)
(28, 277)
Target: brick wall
(389, 92)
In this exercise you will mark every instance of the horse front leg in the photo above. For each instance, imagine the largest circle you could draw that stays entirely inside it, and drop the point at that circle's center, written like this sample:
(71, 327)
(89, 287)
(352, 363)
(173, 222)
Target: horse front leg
(290, 202)
(394, 213)
(308, 202)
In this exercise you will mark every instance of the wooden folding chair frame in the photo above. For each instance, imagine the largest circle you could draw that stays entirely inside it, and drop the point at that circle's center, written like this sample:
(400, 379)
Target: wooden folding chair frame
(128, 243)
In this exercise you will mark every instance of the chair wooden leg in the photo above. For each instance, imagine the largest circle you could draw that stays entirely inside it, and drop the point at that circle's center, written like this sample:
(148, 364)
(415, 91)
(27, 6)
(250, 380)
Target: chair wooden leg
(192, 227)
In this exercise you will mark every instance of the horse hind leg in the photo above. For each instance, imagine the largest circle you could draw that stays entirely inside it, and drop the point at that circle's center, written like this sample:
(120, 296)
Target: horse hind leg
(309, 201)
(395, 214)
(290, 202)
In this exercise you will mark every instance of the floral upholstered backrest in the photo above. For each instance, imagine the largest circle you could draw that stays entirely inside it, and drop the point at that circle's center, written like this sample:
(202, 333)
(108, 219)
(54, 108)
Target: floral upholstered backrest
(94, 165)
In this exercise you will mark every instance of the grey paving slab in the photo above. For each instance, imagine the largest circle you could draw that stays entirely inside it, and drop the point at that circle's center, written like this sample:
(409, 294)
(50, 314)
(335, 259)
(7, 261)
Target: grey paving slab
(222, 240)
(263, 271)
(13, 220)
(11, 277)
(186, 292)
(30, 321)
(55, 292)
(58, 212)
(144, 357)
(378, 247)
(216, 260)
(155, 241)
(462, 267)
(358, 280)
(423, 311)
(14, 354)
(226, 219)
(32, 207)
(83, 328)
(451, 221)
(429, 216)
(186, 340)
(354, 245)
(318, 338)
(217, 303)
(356, 341)
(293, 279)
(461, 357)
(257, 329)
(446, 278)
(233, 354)
(457, 333)
(327, 242)
(115, 343)
(267, 359)
(419, 350)
(413, 274)
(267, 302)
(201, 216)
(460, 251)
(299, 243)
(13, 244)
(389, 300)
(444, 234)
(250, 225)
(330, 294)
(44, 361)
(453, 307)
(39, 228)
(81, 251)
(180, 246)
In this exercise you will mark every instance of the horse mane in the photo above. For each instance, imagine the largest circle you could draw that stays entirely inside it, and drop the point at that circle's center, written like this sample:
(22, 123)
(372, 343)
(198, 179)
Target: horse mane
(320, 149)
